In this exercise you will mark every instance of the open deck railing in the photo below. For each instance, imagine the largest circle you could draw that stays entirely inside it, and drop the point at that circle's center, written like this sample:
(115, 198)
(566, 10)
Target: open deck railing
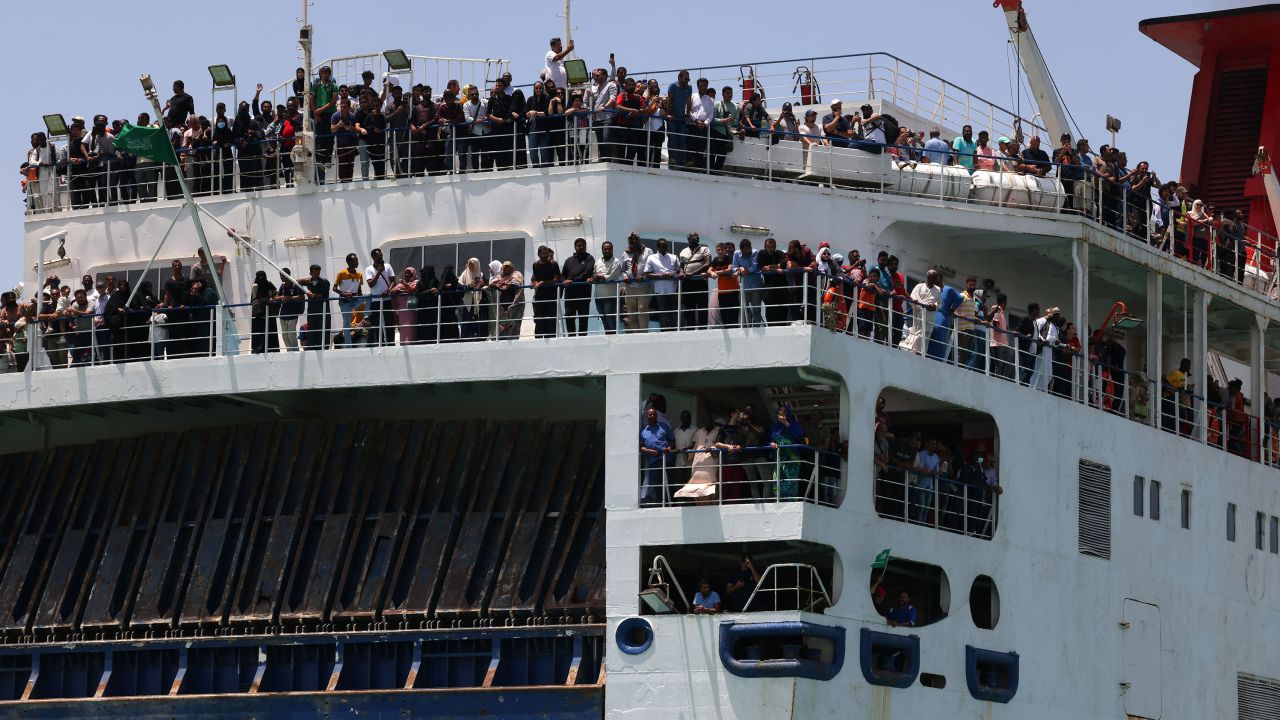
(761, 300)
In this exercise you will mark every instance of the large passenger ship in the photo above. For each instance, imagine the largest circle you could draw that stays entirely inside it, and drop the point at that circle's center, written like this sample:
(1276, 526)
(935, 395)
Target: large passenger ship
(720, 469)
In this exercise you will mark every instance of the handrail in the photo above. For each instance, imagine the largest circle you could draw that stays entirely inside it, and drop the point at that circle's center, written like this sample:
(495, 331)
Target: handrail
(656, 580)
(775, 570)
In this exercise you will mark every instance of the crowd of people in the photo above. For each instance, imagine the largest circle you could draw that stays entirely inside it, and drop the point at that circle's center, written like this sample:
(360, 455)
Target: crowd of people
(738, 457)
(388, 131)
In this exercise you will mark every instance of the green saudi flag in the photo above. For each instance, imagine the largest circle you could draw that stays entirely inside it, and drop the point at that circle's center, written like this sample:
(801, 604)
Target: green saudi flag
(147, 142)
(882, 560)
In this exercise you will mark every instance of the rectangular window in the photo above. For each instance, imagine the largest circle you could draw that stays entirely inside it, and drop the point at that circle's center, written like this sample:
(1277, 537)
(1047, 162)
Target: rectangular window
(1154, 504)
(1259, 529)
(1275, 535)
(1139, 493)
(1231, 522)
(440, 255)
(1186, 509)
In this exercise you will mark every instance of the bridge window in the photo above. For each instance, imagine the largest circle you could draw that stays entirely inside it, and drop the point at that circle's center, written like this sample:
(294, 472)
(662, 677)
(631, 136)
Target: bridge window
(713, 436)
(936, 465)
(738, 577)
(438, 255)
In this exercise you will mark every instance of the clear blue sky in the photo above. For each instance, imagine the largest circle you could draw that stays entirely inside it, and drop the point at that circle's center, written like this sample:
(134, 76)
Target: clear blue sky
(82, 58)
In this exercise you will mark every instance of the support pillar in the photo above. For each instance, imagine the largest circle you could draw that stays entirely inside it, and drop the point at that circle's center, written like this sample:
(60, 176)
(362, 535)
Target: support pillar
(622, 448)
(1200, 361)
(1258, 381)
(1155, 344)
(1080, 316)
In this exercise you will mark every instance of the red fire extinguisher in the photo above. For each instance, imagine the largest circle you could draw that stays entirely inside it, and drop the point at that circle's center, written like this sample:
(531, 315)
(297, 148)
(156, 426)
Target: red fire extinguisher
(806, 86)
(748, 76)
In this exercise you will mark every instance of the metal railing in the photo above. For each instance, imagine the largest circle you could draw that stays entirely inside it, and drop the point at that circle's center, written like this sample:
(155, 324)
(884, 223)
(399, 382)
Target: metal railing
(1245, 256)
(789, 586)
(937, 501)
(670, 303)
(715, 476)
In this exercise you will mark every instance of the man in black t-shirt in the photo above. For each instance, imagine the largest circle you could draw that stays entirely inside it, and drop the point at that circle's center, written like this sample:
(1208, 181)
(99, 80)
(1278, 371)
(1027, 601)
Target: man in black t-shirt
(176, 296)
(741, 584)
(577, 273)
(179, 107)
(891, 492)
(317, 290)
(1037, 158)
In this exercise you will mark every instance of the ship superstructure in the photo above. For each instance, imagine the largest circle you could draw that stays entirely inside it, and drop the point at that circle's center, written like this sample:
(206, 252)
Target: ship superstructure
(201, 521)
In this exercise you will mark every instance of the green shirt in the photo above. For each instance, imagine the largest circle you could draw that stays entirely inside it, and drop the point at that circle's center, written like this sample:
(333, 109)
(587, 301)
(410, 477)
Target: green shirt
(323, 92)
(726, 110)
(965, 151)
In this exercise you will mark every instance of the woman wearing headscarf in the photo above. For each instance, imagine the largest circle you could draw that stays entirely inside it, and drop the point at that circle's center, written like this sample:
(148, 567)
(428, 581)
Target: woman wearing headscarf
(1199, 226)
(491, 300)
(115, 315)
(508, 288)
(260, 296)
(785, 433)
(471, 281)
(427, 292)
(248, 141)
(402, 295)
(702, 468)
(450, 299)
(136, 316)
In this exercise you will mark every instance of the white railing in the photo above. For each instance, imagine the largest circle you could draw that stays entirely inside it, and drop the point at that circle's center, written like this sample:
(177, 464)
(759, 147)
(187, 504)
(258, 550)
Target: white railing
(789, 586)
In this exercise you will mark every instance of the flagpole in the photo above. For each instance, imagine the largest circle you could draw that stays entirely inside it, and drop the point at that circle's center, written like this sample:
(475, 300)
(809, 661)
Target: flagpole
(149, 90)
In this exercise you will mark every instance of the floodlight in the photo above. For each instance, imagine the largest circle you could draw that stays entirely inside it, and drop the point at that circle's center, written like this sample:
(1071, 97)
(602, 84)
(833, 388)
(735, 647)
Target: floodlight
(576, 72)
(222, 77)
(397, 60)
(657, 600)
(56, 125)
(1113, 124)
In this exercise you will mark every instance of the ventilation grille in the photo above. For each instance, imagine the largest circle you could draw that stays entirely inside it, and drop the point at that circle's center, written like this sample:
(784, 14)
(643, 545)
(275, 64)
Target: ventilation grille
(1095, 509)
(1257, 698)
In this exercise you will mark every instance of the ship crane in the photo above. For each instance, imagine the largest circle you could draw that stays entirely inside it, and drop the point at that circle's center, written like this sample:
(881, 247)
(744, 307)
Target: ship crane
(1052, 112)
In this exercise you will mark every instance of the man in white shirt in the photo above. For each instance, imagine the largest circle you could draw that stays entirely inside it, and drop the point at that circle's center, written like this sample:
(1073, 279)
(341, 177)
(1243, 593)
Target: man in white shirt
(476, 115)
(684, 441)
(602, 97)
(924, 299)
(661, 269)
(608, 273)
(702, 112)
(379, 277)
(635, 290)
(553, 66)
(1046, 333)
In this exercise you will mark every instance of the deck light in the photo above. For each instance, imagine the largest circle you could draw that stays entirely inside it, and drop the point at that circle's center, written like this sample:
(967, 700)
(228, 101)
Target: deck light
(222, 77)
(397, 60)
(575, 221)
(748, 230)
(148, 87)
(56, 125)
(656, 599)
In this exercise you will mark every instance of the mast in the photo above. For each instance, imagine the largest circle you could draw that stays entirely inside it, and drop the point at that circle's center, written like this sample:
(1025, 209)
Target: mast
(304, 147)
(568, 36)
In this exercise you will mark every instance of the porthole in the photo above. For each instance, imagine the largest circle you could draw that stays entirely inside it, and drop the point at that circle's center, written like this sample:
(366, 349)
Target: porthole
(634, 635)
(984, 602)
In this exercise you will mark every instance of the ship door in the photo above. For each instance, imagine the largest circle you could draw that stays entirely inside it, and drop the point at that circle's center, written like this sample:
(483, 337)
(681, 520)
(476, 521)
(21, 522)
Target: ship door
(1141, 681)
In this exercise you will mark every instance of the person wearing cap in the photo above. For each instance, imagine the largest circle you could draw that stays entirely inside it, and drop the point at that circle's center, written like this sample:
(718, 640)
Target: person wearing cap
(836, 126)
(810, 131)
(1045, 330)
(870, 124)
(324, 95)
(936, 150)
(786, 127)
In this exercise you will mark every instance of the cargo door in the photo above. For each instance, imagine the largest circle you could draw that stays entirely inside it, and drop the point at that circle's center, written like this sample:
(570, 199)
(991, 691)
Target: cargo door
(1141, 679)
